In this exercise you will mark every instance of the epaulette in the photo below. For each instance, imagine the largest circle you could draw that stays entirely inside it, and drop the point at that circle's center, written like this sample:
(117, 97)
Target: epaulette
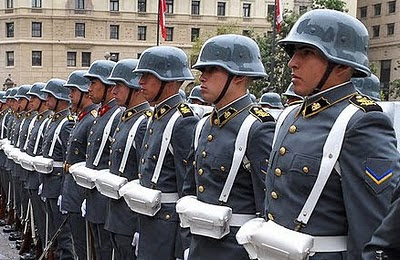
(71, 118)
(185, 110)
(148, 113)
(365, 103)
(261, 114)
(93, 113)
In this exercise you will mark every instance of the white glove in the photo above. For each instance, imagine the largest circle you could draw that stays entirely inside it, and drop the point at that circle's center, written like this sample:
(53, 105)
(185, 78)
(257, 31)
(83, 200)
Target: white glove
(40, 188)
(135, 242)
(59, 200)
(186, 254)
(83, 208)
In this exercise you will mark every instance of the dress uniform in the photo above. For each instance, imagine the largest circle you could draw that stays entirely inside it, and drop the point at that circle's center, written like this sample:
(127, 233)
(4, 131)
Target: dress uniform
(4, 117)
(213, 158)
(160, 236)
(98, 152)
(357, 192)
(58, 131)
(72, 194)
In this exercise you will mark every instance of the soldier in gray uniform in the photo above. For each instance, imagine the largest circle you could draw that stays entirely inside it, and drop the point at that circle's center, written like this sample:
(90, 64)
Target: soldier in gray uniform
(196, 97)
(98, 150)
(163, 70)
(327, 48)
(291, 97)
(121, 221)
(370, 86)
(72, 194)
(224, 81)
(271, 100)
(54, 147)
(34, 148)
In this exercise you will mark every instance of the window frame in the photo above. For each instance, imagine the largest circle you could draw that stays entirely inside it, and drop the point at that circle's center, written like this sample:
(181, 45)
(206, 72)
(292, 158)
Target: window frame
(79, 4)
(170, 6)
(390, 29)
(142, 33)
(221, 8)
(170, 34)
(114, 34)
(247, 10)
(114, 5)
(377, 11)
(195, 7)
(10, 30)
(37, 32)
(194, 36)
(71, 58)
(142, 6)
(36, 3)
(39, 58)
(376, 31)
(84, 63)
(8, 60)
(363, 11)
(80, 32)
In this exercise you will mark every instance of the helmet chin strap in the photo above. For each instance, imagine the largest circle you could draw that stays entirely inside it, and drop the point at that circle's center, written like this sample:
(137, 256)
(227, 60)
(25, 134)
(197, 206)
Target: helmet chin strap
(160, 91)
(128, 98)
(104, 94)
(324, 78)
(223, 92)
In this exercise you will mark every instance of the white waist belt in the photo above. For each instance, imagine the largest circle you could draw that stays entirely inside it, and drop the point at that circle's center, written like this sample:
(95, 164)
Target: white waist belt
(169, 197)
(237, 220)
(58, 164)
(329, 244)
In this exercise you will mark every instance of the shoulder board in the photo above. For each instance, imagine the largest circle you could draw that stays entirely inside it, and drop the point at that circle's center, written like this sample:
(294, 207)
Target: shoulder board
(261, 114)
(185, 110)
(71, 118)
(148, 113)
(365, 103)
(93, 112)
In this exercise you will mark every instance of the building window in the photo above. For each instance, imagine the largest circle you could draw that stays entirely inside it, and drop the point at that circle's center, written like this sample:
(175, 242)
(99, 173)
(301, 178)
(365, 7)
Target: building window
(36, 29)
(86, 59)
(36, 58)
(391, 7)
(377, 9)
(114, 56)
(9, 58)
(142, 33)
(390, 29)
(36, 3)
(114, 5)
(9, 4)
(221, 8)
(170, 34)
(142, 6)
(79, 4)
(114, 32)
(170, 7)
(195, 7)
(195, 34)
(10, 30)
(375, 30)
(246, 10)
(302, 9)
(385, 76)
(270, 10)
(80, 30)
(71, 59)
(363, 12)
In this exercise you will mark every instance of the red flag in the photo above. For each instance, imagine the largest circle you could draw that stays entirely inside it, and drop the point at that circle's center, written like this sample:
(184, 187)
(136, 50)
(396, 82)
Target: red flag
(163, 9)
(279, 15)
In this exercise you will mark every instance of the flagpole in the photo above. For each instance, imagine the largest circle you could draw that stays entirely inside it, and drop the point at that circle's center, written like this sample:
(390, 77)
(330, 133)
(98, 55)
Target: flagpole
(272, 72)
(158, 23)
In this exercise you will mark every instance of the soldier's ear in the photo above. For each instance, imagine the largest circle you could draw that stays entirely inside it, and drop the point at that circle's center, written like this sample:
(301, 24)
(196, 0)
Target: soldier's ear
(239, 79)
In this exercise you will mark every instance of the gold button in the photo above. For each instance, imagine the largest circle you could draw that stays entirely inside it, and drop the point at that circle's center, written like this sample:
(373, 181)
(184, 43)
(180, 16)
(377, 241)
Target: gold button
(142, 160)
(146, 146)
(209, 138)
(282, 150)
(222, 168)
(194, 163)
(274, 195)
(110, 151)
(185, 161)
(216, 121)
(200, 171)
(151, 131)
(91, 132)
(117, 129)
(88, 144)
(201, 188)
(76, 151)
(167, 216)
(94, 122)
(203, 154)
(292, 129)
(154, 157)
(270, 216)
(278, 172)
(305, 169)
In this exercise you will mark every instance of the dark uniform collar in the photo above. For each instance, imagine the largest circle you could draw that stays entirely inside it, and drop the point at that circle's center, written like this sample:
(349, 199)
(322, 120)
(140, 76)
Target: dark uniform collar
(223, 115)
(164, 107)
(130, 112)
(21, 114)
(44, 114)
(91, 108)
(316, 103)
(60, 114)
(107, 107)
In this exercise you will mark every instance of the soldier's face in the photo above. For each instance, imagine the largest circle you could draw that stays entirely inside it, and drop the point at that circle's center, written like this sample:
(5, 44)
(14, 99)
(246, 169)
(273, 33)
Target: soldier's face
(22, 103)
(150, 85)
(120, 92)
(213, 79)
(308, 66)
(34, 103)
(75, 96)
(51, 102)
(96, 91)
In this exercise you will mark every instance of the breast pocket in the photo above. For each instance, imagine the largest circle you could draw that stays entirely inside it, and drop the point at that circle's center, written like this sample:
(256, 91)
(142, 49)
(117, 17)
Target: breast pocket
(304, 170)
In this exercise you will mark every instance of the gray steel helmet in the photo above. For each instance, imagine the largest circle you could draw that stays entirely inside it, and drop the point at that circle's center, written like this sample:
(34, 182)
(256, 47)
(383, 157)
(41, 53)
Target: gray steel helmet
(341, 38)
(196, 94)
(23, 92)
(370, 86)
(13, 92)
(123, 71)
(56, 88)
(238, 54)
(36, 90)
(253, 98)
(167, 63)
(290, 92)
(101, 69)
(272, 99)
(2, 97)
(182, 94)
(8, 91)
(78, 80)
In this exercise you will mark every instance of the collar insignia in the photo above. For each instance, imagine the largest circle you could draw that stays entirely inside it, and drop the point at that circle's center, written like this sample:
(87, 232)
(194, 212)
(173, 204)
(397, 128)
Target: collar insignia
(162, 111)
(315, 107)
(222, 119)
(128, 114)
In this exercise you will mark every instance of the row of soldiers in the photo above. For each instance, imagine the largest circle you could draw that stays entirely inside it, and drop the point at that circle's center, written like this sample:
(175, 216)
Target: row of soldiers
(123, 180)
